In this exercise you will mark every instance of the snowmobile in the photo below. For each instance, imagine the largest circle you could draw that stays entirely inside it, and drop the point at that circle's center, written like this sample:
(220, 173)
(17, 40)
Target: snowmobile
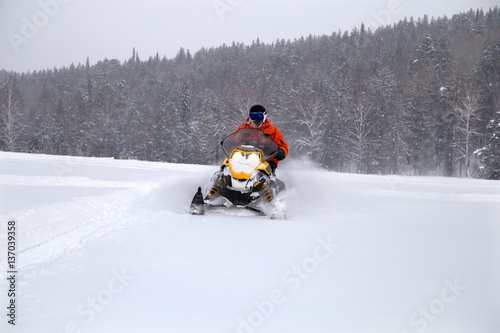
(245, 179)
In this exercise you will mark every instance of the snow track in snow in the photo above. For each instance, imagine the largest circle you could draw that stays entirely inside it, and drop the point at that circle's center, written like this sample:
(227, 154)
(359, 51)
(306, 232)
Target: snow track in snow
(71, 218)
(62, 181)
(67, 226)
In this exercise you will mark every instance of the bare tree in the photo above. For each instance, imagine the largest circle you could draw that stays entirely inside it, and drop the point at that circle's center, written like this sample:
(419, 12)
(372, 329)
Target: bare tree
(465, 109)
(312, 117)
(360, 127)
(240, 97)
(10, 116)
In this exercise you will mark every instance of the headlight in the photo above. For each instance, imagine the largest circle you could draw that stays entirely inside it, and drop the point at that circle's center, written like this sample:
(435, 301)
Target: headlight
(244, 164)
(253, 159)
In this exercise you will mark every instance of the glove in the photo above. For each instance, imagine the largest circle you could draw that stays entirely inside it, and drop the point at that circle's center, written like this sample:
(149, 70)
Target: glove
(273, 166)
(280, 155)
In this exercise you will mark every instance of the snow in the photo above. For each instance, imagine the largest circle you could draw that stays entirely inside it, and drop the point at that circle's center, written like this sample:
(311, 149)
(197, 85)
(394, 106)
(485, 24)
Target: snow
(106, 245)
(244, 163)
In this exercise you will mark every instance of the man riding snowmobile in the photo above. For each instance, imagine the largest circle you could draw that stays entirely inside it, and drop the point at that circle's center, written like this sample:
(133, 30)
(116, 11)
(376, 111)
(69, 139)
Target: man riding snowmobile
(247, 177)
(257, 118)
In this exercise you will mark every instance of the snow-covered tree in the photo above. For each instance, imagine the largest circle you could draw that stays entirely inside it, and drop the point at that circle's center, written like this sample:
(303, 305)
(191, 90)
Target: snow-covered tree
(78, 126)
(360, 126)
(466, 110)
(490, 155)
(41, 132)
(141, 133)
(105, 120)
(392, 124)
(11, 122)
(311, 115)
(381, 101)
(417, 103)
(210, 128)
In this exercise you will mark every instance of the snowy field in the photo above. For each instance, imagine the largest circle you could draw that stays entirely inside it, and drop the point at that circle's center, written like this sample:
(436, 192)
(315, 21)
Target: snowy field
(107, 246)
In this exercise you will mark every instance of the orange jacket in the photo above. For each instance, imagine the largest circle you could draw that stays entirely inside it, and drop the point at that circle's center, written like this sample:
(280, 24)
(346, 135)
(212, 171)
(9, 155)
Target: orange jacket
(270, 131)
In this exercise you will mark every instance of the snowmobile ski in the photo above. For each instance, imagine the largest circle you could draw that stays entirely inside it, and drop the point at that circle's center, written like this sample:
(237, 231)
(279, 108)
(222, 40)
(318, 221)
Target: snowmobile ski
(197, 205)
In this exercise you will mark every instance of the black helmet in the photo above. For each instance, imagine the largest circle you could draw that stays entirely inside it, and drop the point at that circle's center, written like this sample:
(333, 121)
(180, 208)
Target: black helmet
(258, 108)
(257, 115)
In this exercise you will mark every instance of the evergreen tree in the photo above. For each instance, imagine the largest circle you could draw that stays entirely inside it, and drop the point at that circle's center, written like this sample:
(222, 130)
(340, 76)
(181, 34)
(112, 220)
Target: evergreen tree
(488, 74)
(78, 126)
(106, 129)
(490, 155)
(41, 131)
(58, 135)
(141, 134)
(391, 130)
(420, 137)
(210, 129)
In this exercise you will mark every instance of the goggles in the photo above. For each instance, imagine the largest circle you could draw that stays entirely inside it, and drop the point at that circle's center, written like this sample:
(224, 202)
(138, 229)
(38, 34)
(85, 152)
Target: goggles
(256, 116)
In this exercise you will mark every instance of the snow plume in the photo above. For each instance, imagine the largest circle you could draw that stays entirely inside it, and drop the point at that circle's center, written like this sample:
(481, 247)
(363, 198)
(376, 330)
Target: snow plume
(299, 164)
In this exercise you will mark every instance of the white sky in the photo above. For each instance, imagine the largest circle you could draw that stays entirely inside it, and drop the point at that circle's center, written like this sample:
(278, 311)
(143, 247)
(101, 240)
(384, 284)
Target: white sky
(40, 34)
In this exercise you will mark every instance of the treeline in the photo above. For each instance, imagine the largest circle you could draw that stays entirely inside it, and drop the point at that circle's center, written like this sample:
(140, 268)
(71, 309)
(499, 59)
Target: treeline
(419, 97)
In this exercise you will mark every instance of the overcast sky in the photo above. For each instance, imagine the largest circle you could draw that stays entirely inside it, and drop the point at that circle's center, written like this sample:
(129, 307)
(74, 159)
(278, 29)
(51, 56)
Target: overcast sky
(41, 34)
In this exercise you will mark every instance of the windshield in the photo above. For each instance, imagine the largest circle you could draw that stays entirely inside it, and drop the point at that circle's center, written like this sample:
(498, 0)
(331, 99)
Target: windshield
(248, 138)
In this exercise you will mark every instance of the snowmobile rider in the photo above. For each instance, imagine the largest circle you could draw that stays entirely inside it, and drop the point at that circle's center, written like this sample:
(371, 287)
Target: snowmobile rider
(257, 118)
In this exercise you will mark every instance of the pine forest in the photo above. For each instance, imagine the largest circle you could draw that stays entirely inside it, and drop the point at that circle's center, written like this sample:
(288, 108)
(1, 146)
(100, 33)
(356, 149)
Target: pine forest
(419, 97)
